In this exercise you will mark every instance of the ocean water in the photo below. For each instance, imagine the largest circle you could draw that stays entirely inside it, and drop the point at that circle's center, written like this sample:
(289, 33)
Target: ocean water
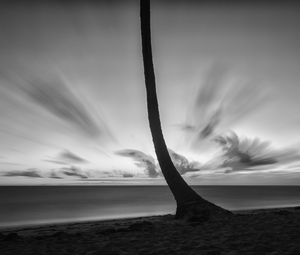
(22, 205)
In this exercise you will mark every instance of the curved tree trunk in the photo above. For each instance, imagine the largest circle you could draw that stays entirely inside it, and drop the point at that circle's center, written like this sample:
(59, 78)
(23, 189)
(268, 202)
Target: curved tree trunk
(189, 203)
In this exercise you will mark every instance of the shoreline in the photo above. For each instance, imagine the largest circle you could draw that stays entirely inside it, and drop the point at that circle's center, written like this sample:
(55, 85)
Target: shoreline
(25, 226)
(260, 231)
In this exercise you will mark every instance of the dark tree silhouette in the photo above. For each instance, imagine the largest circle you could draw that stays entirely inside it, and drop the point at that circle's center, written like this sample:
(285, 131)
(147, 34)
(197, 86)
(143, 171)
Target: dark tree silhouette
(189, 204)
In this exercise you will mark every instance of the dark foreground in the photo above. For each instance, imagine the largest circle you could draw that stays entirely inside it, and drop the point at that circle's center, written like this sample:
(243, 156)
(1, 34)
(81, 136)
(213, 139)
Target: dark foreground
(275, 231)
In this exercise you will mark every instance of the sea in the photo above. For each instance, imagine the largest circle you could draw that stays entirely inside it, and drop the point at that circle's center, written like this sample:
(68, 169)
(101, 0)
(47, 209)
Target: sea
(30, 205)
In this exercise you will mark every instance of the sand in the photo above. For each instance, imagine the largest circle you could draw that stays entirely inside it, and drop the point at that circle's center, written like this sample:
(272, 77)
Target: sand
(275, 231)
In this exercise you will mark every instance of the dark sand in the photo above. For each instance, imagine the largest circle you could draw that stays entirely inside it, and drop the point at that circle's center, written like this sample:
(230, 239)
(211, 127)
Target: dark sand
(272, 231)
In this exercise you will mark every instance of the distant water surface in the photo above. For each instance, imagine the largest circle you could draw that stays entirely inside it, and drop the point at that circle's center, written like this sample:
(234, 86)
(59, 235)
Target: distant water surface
(22, 205)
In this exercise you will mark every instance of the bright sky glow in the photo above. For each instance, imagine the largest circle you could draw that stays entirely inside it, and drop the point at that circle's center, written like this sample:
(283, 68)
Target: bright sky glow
(72, 91)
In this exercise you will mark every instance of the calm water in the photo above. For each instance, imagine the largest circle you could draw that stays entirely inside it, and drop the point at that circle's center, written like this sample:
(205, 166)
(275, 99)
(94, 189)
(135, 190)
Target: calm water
(47, 204)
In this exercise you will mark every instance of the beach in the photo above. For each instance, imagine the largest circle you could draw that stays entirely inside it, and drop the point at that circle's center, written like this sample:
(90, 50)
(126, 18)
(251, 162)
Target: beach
(265, 231)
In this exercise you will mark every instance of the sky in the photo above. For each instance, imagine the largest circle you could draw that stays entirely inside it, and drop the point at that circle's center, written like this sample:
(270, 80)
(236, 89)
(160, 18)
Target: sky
(72, 95)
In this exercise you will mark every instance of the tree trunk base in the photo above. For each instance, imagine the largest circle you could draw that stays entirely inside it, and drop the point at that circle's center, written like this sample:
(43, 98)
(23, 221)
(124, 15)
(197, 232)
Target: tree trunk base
(201, 211)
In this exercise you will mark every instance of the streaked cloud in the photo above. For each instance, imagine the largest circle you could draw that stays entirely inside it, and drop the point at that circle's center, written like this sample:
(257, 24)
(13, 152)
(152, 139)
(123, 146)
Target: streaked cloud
(221, 100)
(251, 154)
(66, 157)
(151, 167)
(71, 157)
(128, 175)
(182, 164)
(31, 172)
(54, 175)
(51, 93)
(55, 161)
(74, 172)
(146, 162)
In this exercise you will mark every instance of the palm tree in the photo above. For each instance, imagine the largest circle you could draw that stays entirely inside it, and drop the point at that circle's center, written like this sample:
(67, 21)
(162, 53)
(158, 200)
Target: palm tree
(189, 204)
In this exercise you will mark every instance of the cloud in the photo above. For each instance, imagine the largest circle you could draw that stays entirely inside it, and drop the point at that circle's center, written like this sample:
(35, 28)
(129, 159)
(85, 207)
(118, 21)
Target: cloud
(83, 174)
(74, 172)
(246, 154)
(221, 101)
(54, 175)
(128, 175)
(67, 157)
(70, 172)
(152, 169)
(53, 95)
(182, 164)
(142, 160)
(71, 157)
(56, 161)
(31, 172)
